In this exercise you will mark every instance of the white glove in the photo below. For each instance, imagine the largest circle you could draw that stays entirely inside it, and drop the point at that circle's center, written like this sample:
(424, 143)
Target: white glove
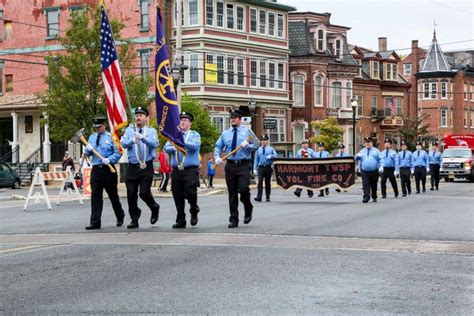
(359, 155)
(218, 161)
(255, 171)
(269, 157)
(412, 171)
(89, 147)
(106, 161)
(138, 135)
(136, 140)
(381, 169)
(245, 143)
(396, 173)
(428, 170)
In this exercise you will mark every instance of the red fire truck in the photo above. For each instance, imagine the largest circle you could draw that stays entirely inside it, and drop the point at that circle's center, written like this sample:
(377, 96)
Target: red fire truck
(458, 157)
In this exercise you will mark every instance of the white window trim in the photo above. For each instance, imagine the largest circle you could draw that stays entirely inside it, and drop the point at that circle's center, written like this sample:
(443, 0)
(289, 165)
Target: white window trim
(339, 38)
(279, 119)
(374, 63)
(197, 66)
(431, 90)
(323, 80)
(405, 73)
(257, 29)
(446, 90)
(316, 37)
(189, 15)
(293, 75)
(243, 20)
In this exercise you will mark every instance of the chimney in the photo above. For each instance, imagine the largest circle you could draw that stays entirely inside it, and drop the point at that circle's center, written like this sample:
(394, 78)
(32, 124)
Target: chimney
(414, 45)
(382, 44)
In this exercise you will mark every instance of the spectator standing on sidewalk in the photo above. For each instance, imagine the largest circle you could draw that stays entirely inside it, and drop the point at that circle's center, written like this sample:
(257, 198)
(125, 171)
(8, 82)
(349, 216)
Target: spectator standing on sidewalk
(165, 170)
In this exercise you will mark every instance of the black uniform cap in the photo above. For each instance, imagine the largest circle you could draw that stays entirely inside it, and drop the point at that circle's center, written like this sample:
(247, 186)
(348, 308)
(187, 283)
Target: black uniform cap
(388, 140)
(341, 146)
(320, 144)
(98, 121)
(189, 116)
(403, 143)
(418, 143)
(236, 113)
(142, 111)
(264, 137)
(368, 139)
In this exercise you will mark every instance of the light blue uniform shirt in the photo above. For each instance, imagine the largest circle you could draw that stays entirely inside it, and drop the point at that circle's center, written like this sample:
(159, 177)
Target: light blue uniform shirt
(321, 154)
(261, 156)
(420, 159)
(404, 159)
(192, 144)
(147, 145)
(310, 152)
(106, 148)
(369, 159)
(435, 158)
(224, 143)
(343, 154)
(388, 158)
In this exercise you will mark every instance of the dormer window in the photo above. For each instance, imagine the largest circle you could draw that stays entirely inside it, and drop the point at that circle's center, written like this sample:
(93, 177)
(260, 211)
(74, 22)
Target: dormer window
(374, 70)
(338, 49)
(320, 40)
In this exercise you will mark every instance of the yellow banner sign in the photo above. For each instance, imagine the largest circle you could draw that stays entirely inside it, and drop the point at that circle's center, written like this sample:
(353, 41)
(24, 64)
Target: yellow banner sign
(211, 73)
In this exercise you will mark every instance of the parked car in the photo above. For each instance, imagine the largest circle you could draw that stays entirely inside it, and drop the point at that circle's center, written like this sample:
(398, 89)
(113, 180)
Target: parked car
(8, 177)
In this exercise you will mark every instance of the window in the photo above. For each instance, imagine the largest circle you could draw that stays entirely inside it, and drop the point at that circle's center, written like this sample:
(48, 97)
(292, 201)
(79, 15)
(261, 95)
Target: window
(433, 90)
(193, 68)
(399, 105)
(28, 124)
(8, 29)
(465, 117)
(220, 14)
(281, 71)
(388, 107)
(263, 23)
(472, 92)
(318, 89)
(230, 70)
(221, 122)
(52, 20)
(8, 83)
(253, 73)
(320, 40)
(240, 18)
(145, 14)
(338, 51)
(280, 25)
(144, 62)
(263, 74)
(452, 117)
(271, 75)
(220, 69)
(230, 16)
(298, 90)
(209, 12)
(465, 91)
(359, 72)
(253, 20)
(373, 105)
(348, 94)
(388, 71)
(374, 73)
(395, 72)
(336, 95)
(443, 89)
(277, 134)
(472, 118)
(407, 69)
(444, 117)
(426, 89)
(176, 12)
(240, 72)
(271, 24)
(299, 133)
(193, 12)
(360, 105)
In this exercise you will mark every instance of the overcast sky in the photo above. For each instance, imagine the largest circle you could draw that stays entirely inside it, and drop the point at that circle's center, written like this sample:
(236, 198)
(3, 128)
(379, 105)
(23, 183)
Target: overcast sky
(399, 20)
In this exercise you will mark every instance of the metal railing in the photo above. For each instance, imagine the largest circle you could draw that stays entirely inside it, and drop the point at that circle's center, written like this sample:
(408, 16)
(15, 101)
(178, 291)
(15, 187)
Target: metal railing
(13, 156)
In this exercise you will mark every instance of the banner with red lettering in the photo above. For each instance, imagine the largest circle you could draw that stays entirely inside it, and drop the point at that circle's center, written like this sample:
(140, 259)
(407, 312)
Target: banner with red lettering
(315, 173)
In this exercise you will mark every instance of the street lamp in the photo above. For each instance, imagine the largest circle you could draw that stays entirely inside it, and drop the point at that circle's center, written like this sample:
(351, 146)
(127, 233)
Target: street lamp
(176, 73)
(354, 107)
(252, 104)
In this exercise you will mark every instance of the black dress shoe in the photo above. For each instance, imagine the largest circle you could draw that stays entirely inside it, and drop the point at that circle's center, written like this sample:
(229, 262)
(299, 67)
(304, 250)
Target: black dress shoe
(396, 195)
(327, 191)
(297, 194)
(132, 225)
(431, 189)
(417, 192)
(247, 219)
(90, 227)
(233, 225)
(338, 190)
(384, 196)
(365, 200)
(120, 221)
(374, 200)
(257, 199)
(409, 193)
(154, 215)
(321, 194)
(436, 188)
(404, 194)
(268, 200)
(424, 190)
(180, 225)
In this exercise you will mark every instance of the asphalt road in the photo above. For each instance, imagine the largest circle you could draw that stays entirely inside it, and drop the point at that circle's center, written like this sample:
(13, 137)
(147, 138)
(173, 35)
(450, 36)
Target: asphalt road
(331, 255)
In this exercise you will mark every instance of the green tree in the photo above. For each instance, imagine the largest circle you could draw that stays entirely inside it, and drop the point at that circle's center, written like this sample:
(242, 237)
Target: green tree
(330, 133)
(414, 130)
(75, 94)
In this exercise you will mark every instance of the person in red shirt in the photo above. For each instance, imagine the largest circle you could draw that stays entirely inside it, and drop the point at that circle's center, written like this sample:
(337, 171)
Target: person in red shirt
(165, 171)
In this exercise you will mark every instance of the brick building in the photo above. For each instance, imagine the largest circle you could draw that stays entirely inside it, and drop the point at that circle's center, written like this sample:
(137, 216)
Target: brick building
(322, 71)
(247, 43)
(381, 92)
(444, 87)
(28, 33)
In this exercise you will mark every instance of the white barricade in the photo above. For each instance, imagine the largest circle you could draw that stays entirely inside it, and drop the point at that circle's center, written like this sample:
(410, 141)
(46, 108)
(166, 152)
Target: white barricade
(40, 177)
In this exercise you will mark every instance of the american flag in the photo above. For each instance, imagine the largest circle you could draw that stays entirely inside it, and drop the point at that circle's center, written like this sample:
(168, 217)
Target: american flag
(112, 80)
(389, 104)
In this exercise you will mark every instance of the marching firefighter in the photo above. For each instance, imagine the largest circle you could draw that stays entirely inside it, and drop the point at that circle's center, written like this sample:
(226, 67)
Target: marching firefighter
(387, 169)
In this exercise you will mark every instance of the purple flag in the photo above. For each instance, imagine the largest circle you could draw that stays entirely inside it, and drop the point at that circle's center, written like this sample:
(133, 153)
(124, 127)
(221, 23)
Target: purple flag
(167, 111)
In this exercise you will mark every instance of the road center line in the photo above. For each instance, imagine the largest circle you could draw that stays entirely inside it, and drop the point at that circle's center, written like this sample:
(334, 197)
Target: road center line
(465, 248)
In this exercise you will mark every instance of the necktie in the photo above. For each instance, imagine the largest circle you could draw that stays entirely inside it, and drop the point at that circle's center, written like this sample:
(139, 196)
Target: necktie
(404, 152)
(234, 140)
(140, 131)
(418, 153)
(263, 151)
(368, 151)
(386, 154)
(139, 148)
(97, 141)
